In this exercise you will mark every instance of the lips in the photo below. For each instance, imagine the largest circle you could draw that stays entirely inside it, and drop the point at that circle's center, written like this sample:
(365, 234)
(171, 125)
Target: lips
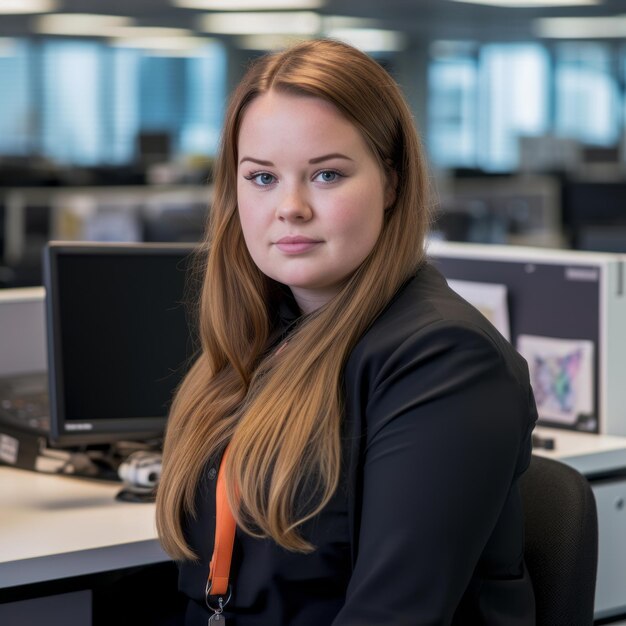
(296, 244)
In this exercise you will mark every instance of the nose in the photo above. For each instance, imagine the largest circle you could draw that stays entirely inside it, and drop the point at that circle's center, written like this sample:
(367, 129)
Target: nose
(294, 205)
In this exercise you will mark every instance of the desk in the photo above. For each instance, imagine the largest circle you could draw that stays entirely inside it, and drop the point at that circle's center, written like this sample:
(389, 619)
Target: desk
(602, 458)
(54, 528)
(589, 454)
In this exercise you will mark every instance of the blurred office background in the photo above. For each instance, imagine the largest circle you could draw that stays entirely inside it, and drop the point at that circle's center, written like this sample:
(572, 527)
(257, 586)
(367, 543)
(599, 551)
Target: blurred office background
(110, 113)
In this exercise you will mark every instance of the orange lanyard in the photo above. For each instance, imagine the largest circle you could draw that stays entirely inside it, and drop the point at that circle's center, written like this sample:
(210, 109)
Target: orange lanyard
(225, 526)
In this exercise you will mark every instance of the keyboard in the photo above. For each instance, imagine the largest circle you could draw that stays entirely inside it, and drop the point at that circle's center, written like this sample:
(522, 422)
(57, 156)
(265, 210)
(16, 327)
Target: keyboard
(24, 402)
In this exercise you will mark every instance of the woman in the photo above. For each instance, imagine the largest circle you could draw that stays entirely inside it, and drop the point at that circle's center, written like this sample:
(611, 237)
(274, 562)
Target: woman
(377, 425)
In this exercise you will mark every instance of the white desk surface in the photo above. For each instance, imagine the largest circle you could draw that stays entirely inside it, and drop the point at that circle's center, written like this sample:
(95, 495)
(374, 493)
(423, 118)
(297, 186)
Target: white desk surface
(53, 527)
(587, 453)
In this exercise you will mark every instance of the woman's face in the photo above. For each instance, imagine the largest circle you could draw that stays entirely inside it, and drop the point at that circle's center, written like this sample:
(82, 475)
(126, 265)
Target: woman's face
(310, 193)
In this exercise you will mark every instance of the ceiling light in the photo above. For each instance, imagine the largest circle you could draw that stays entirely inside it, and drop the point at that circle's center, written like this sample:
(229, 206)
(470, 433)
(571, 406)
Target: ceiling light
(27, 6)
(137, 32)
(581, 27)
(79, 24)
(248, 5)
(295, 23)
(370, 39)
(526, 4)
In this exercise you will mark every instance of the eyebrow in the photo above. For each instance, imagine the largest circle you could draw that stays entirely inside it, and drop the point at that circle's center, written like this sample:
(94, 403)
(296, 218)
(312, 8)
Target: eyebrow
(319, 159)
(327, 157)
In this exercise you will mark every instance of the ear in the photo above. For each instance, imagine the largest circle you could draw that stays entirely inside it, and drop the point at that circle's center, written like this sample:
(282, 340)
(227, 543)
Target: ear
(391, 188)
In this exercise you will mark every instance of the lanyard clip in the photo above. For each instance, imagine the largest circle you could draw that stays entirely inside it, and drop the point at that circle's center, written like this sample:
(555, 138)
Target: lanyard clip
(219, 600)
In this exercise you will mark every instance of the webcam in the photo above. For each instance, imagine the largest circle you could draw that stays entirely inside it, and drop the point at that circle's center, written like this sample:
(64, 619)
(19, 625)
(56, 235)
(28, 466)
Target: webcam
(140, 473)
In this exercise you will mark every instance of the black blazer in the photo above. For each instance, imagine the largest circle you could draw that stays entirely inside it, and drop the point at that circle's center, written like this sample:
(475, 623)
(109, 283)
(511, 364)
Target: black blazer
(427, 526)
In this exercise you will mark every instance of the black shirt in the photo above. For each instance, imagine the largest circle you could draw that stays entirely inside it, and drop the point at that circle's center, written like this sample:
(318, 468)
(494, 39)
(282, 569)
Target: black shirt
(427, 526)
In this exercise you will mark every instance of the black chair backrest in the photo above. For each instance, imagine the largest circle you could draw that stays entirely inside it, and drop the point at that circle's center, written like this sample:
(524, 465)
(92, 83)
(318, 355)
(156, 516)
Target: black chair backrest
(561, 533)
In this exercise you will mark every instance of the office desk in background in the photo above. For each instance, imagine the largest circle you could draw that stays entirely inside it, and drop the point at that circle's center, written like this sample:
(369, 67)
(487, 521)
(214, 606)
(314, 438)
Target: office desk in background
(54, 528)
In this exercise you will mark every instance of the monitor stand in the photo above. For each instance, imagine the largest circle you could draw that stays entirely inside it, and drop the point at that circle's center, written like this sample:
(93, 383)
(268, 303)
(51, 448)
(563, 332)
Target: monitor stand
(135, 494)
(137, 466)
(110, 462)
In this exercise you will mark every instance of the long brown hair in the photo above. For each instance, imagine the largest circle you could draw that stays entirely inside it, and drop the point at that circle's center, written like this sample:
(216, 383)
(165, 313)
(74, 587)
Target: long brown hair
(282, 412)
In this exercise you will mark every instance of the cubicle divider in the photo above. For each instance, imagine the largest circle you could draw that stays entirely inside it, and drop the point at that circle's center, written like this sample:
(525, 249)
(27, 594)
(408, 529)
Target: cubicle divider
(566, 314)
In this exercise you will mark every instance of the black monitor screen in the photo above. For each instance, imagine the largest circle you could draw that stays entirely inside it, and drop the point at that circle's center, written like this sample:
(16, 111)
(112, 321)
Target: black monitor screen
(119, 336)
(588, 206)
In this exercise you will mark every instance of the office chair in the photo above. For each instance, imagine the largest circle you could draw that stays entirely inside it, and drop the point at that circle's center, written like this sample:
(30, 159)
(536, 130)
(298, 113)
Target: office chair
(561, 553)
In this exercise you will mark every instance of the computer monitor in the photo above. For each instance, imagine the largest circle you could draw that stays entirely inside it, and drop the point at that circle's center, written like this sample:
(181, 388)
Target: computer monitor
(592, 205)
(120, 338)
(154, 146)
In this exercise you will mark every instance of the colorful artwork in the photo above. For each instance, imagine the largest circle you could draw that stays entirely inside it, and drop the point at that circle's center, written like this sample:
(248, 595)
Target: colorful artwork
(554, 380)
(561, 375)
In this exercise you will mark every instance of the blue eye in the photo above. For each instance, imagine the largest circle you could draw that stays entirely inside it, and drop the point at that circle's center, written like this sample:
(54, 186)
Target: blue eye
(263, 179)
(328, 176)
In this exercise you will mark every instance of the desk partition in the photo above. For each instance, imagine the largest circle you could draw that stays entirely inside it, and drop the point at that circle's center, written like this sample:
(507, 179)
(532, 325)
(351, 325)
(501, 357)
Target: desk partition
(567, 316)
